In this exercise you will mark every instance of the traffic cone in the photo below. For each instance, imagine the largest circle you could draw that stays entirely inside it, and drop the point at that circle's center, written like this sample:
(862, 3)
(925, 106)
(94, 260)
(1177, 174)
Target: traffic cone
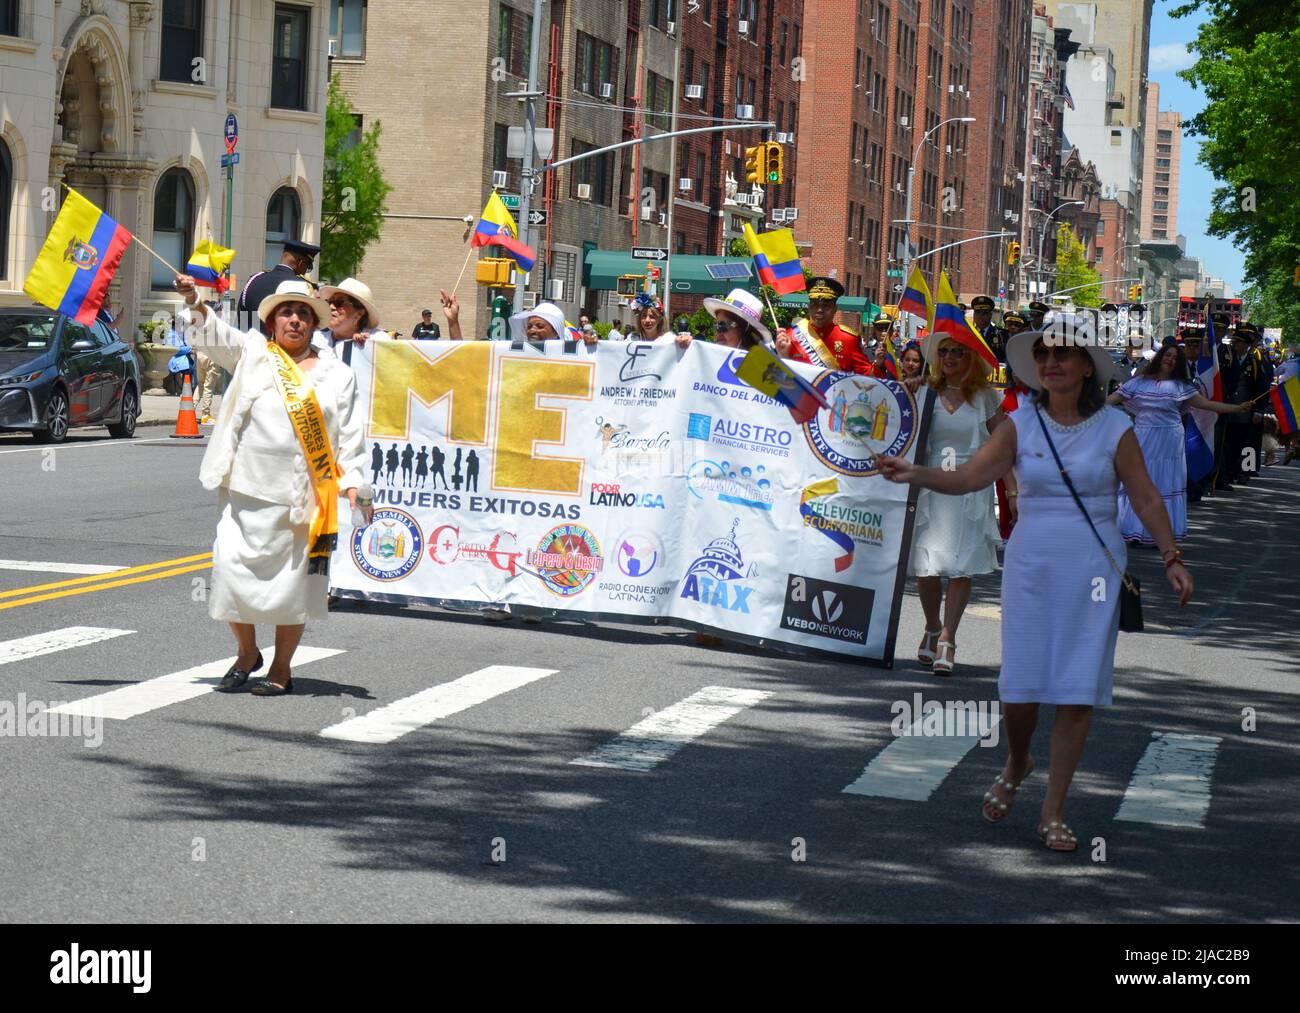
(187, 423)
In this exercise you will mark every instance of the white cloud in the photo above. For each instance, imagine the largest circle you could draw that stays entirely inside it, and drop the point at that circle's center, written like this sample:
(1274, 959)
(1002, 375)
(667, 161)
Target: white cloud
(1171, 56)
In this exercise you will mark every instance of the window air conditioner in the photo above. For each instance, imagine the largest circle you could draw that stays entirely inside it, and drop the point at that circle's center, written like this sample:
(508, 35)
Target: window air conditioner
(530, 300)
(902, 121)
(555, 289)
(744, 112)
(500, 178)
(695, 91)
(334, 47)
(741, 198)
(743, 26)
(686, 184)
(791, 214)
(663, 218)
(607, 90)
(672, 27)
(951, 88)
(645, 214)
(726, 147)
(778, 215)
(947, 149)
(898, 187)
(584, 191)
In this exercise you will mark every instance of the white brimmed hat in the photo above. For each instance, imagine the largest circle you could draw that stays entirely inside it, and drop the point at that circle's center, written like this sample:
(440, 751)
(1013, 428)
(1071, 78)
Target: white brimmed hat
(357, 290)
(746, 306)
(296, 290)
(1020, 358)
(548, 311)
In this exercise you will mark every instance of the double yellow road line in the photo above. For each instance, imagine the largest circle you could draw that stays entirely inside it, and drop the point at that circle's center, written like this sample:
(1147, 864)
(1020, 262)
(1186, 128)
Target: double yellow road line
(104, 581)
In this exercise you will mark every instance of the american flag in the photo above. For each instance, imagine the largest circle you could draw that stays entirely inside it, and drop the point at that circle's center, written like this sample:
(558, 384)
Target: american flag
(1065, 93)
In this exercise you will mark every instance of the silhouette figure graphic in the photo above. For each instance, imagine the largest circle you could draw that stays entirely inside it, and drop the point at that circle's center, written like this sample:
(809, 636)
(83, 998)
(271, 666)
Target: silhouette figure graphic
(392, 464)
(376, 464)
(421, 467)
(408, 455)
(439, 459)
(471, 472)
(455, 472)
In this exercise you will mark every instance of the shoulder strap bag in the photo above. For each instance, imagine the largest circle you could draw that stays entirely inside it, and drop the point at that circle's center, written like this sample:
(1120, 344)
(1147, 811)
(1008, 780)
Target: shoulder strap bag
(1130, 593)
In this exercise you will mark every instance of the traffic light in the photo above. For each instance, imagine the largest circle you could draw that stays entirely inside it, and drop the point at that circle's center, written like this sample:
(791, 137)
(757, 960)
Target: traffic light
(774, 164)
(754, 163)
(1132, 293)
(1013, 254)
(1137, 297)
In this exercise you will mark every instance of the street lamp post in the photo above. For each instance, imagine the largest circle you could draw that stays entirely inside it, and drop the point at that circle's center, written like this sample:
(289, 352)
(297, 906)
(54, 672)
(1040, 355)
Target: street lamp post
(1038, 267)
(911, 175)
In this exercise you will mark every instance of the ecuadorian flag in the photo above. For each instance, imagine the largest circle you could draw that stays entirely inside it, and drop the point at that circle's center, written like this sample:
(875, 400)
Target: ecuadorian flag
(496, 227)
(78, 260)
(951, 321)
(1285, 399)
(763, 371)
(916, 297)
(891, 358)
(776, 259)
(209, 264)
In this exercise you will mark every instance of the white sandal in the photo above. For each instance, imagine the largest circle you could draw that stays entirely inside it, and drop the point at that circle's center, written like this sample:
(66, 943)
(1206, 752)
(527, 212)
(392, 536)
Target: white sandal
(925, 654)
(944, 663)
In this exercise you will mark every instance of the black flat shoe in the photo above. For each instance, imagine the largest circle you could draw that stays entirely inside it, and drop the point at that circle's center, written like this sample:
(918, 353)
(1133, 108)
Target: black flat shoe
(236, 677)
(265, 687)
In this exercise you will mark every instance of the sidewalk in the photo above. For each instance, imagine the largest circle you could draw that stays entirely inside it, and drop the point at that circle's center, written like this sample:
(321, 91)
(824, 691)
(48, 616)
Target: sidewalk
(161, 409)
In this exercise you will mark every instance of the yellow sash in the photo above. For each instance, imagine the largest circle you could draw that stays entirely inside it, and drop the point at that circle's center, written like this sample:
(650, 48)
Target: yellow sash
(813, 346)
(308, 423)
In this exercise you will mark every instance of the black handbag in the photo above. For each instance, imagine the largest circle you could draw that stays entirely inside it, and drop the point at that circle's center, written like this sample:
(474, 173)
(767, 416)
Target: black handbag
(1130, 591)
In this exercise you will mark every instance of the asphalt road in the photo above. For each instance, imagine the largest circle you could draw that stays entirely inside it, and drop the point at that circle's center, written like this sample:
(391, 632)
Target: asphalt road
(235, 808)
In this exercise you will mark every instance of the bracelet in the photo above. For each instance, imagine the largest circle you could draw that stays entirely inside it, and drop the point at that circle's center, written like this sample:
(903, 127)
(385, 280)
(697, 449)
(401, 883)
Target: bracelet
(1012, 493)
(1173, 556)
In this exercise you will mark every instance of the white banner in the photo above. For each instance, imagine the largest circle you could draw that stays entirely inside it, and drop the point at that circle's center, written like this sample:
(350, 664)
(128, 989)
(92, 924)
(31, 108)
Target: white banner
(637, 482)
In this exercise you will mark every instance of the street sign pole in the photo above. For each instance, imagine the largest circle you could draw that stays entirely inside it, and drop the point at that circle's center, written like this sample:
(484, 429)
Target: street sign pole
(530, 143)
(232, 139)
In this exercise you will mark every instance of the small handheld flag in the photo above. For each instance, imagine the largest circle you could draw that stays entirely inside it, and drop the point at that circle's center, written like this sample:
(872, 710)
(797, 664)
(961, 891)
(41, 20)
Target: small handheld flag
(763, 371)
(891, 358)
(950, 321)
(78, 260)
(496, 227)
(916, 297)
(776, 259)
(210, 265)
(1285, 400)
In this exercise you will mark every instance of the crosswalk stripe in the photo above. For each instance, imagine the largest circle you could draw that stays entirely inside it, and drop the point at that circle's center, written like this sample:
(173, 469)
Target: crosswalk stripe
(142, 697)
(1171, 783)
(409, 713)
(914, 765)
(55, 641)
(653, 740)
(28, 565)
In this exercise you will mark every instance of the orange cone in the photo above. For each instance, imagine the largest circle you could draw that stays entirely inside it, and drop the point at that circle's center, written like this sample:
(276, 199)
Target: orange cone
(187, 423)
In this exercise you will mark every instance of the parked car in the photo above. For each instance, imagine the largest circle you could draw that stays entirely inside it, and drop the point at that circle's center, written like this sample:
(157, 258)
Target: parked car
(57, 374)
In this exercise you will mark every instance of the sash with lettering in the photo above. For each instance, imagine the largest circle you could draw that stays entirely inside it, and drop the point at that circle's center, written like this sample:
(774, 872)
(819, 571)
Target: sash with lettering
(308, 423)
(813, 346)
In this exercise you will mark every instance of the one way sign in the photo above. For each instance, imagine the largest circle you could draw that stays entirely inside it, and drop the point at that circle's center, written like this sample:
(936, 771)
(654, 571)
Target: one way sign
(648, 253)
(536, 217)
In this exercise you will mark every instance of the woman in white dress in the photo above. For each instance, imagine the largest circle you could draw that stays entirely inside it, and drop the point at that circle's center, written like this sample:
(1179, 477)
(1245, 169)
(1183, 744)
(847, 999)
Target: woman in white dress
(954, 536)
(1060, 589)
(270, 561)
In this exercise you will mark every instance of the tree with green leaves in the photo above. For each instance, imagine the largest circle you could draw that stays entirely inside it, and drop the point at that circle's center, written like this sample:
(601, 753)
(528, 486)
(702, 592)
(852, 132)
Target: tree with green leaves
(1248, 66)
(1073, 269)
(355, 193)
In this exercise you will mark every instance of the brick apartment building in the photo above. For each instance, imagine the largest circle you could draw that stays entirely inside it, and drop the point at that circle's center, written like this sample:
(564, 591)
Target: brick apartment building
(880, 74)
(996, 163)
(1163, 153)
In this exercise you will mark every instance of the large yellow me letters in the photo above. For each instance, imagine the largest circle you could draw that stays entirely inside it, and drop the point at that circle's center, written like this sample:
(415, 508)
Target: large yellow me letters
(462, 375)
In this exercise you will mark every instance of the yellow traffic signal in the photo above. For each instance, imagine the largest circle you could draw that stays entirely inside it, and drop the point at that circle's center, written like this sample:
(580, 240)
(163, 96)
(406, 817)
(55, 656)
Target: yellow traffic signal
(774, 164)
(1013, 254)
(754, 163)
(1132, 293)
(1138, 293)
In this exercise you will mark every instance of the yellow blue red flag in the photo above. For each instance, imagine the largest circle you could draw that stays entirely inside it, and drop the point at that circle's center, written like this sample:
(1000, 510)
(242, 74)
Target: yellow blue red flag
(776, 259)
(496, 227)
(916, 297)
(950, 322)
(78, 260)
(1285, 399)
(210, 265)
(765, 372)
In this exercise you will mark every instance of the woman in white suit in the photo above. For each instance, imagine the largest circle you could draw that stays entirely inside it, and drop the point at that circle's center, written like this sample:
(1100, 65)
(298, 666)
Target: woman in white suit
(288, 403)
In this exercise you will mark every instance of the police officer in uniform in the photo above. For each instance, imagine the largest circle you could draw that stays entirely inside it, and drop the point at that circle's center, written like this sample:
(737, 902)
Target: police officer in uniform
(1259, 377)
(295, 262)
(994, 336)
(1037, 310)
(818, 339)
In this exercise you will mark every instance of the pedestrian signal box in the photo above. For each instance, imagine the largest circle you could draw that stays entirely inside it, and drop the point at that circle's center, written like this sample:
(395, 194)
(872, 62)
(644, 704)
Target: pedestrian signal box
(629, 284)
(754, 163)
(493, 272)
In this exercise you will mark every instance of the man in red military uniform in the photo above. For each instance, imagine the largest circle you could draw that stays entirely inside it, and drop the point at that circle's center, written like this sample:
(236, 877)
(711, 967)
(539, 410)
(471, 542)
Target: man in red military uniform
(818, 339)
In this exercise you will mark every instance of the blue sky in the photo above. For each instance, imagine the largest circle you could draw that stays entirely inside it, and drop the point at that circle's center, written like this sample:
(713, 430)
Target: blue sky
(1169, 38)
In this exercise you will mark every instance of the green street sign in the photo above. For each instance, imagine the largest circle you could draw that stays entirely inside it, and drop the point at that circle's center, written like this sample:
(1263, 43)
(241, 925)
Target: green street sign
(511, 201)
(894, 273)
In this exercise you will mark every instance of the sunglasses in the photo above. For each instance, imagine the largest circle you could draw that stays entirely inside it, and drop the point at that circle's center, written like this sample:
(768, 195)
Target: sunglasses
(953, 353)
(722, 326)
(1058, 352)
(337, 302)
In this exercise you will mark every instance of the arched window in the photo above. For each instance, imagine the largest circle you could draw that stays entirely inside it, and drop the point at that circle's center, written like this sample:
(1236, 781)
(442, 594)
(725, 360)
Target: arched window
(283, 219)
(6, 198)
(173, 224)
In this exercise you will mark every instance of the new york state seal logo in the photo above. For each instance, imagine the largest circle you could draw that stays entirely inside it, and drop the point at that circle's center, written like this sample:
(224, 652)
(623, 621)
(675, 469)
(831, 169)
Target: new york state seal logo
(867, 417)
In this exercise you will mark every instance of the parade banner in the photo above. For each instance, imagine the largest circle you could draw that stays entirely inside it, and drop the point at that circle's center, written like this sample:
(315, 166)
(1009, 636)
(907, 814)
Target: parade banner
(632, 482)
